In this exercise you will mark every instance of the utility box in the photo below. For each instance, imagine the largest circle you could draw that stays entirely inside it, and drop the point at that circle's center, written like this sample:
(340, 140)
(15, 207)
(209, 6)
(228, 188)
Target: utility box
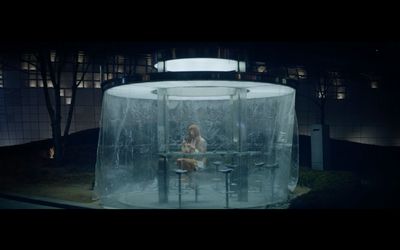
(320, 148)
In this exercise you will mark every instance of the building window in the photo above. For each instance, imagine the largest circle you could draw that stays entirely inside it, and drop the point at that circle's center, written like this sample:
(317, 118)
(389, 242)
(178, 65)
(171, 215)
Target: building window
(107, 76)
(53, 56)
(85, 80)
(120, 65)
(66, 95)
(97, 85)
(340, 93)
(24, 66)
(96, 80)
(321, 91)
(338, 86)
(374, 84)
(332, 86)
(40, 83)
(84, 76)
(261, 69)
(33, 83)
(120, 68)
(116, 67)
(33, 76)
(337, 82)
(28, 62)
(258, 67)
(340, 96)
(373, 79)
(68, 100)
(119, 59)
(82, 58)
(297, 73)
(87, 84)
(301, 72)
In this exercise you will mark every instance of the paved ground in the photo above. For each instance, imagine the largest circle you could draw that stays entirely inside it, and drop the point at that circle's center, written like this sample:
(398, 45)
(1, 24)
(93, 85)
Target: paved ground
(13, 204)
(17, 201)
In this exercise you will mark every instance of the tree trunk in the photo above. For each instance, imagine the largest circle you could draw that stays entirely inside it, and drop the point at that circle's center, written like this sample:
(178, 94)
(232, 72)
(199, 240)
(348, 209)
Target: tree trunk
(55, 76)
(58, 149)
(322, 112)
(70, 112)
(58, 146)
(75, 84)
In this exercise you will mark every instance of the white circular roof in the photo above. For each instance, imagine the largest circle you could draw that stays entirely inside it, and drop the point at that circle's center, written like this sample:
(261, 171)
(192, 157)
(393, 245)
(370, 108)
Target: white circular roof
(199, 90)
(200, 64)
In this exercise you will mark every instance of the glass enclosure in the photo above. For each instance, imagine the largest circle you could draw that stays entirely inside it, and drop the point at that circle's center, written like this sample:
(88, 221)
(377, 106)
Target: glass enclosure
(197, 144)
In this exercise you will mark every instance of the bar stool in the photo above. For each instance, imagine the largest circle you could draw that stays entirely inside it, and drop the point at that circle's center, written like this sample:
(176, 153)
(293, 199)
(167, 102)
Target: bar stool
(259, 166)
(226, 171)
(232, 185)
(272, 168)
(217, 164)
(179, 172)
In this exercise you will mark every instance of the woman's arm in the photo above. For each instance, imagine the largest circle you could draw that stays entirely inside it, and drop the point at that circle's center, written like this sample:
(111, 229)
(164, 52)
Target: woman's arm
(184, 146)
(202, 146)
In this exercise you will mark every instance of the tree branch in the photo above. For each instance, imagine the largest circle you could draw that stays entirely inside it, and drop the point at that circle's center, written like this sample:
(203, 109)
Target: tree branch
(43, 72)
(74, 90)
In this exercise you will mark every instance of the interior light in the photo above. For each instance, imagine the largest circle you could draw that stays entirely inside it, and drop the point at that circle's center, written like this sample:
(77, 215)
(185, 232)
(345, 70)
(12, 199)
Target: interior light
(200, 64)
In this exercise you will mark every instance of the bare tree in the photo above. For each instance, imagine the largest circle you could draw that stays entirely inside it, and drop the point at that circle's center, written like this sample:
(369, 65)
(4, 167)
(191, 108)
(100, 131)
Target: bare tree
(322, 89)
(322, 86)
(45, 67)
(51, 68)
(75, 84)
(52, 63)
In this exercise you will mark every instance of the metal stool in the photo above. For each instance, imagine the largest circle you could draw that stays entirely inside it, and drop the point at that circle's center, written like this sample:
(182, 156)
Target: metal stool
(216, 179)
(217, 164)
(232, 184)
(226, 171)
(259, 166)
(272, 167)
(179, 172)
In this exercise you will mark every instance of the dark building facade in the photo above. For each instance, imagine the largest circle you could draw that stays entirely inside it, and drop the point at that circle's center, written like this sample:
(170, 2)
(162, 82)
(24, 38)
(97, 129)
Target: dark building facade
(360, 102)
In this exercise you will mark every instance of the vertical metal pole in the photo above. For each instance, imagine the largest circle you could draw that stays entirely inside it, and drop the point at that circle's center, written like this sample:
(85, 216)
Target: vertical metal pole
(196, 192)
(240, 106)
(226, 189)
(162, 144)
(272, 183)
(162, 179)
(101, 75)
(180, 191)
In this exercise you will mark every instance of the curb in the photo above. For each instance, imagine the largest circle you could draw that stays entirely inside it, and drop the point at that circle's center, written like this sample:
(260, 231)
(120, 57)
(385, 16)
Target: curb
(50, 202)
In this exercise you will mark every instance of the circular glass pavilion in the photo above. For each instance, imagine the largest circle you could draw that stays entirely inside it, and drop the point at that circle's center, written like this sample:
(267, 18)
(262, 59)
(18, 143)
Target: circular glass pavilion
(249, 144)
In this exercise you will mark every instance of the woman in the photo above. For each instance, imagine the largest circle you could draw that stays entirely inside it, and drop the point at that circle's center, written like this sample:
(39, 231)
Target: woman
(193, 143)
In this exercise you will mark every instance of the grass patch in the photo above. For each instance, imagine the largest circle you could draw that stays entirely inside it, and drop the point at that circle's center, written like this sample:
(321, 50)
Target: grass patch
(345, 189)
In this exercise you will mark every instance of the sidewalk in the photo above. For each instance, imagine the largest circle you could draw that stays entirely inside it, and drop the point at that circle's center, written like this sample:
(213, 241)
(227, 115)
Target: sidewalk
(17, 201)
